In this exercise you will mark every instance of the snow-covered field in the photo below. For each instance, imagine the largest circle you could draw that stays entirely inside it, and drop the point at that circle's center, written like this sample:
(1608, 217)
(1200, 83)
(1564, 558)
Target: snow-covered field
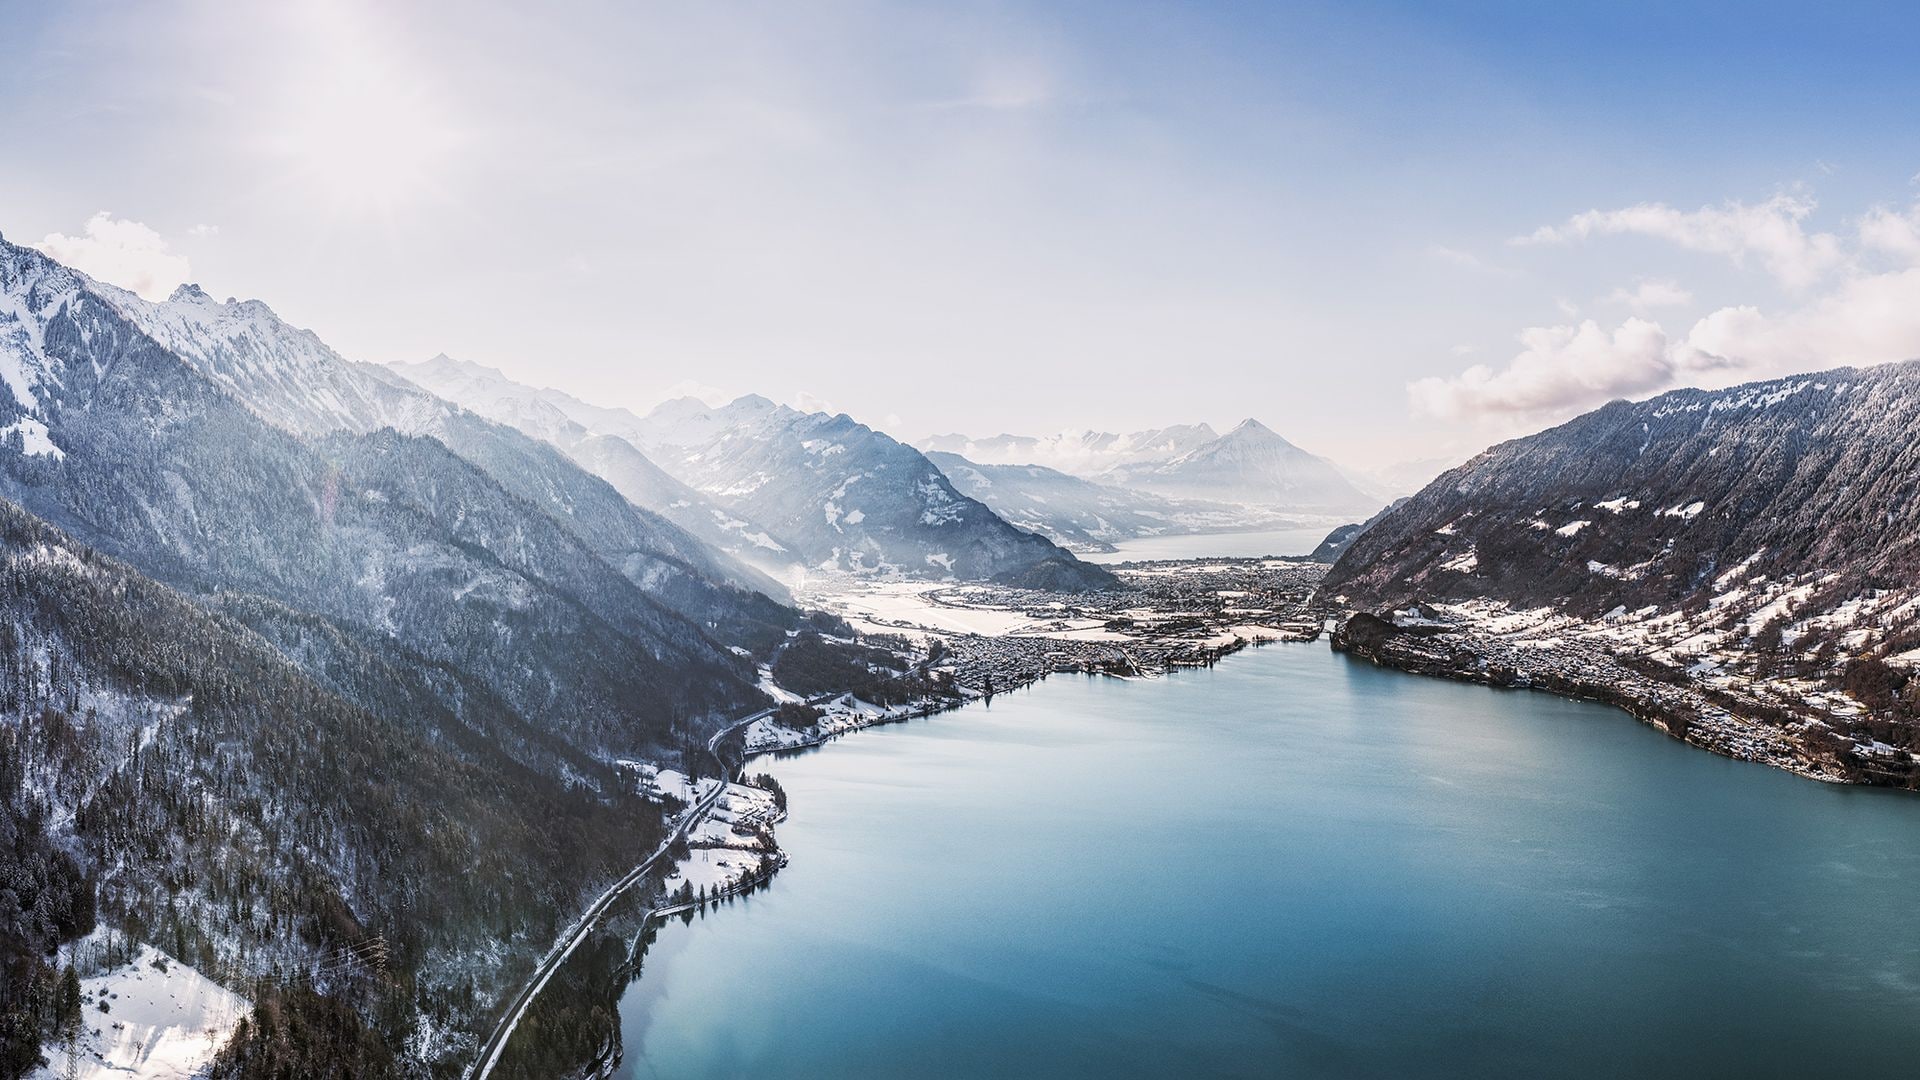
(163, 1020)
(892, 607)
(733, 844)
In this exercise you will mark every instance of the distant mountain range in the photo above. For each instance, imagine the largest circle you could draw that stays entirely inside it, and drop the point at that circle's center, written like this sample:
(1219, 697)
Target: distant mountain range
(788, 490)
(1077, 453)
(1091, 490)
(1753, 547)
(1251, 464)
(1086, 516)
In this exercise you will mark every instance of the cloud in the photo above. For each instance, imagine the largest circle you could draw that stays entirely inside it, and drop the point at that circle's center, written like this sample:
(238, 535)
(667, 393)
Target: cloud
(808, 402)
(1772, 232)
(1892, 232)
(1464, 259)
(123, 253)
(1650, 294)
(1561, 371)
(1560, 368)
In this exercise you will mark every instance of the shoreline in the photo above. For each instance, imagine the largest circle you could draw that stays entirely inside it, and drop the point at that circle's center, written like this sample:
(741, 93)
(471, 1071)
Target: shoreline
(649, 922)
(1708, 719)
(1681, 712)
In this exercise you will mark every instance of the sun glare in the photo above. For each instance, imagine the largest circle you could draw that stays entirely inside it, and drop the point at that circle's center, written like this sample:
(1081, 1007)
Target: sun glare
(360, 130)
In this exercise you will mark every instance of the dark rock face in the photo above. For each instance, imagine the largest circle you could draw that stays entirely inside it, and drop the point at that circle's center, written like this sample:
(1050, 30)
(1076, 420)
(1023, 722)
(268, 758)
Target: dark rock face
(1645, 503)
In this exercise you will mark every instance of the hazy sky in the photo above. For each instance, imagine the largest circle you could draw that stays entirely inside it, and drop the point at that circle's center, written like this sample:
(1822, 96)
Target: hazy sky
(1387, 230)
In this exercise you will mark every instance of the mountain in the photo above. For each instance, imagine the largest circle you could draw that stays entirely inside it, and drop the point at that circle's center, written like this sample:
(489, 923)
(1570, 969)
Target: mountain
(601, 441)
(479, 548)
(846, 497)
(298, 657)
(169, 772)
(1083, 515)
(1735, 535)
(1077, 453)
(1250, 464)
(1811, 473)
(290, 378)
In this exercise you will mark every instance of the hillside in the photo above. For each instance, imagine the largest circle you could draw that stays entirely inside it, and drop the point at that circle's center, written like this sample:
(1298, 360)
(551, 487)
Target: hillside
(846, 497)
(486, 551)
(1767, 531)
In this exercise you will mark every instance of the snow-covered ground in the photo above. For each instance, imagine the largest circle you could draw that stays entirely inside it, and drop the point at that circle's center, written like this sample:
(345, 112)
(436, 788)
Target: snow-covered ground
(733, 844)
(163, 1020)
(892, 607)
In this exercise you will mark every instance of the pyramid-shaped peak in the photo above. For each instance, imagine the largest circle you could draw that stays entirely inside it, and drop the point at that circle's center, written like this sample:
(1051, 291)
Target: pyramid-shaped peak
(1250, 426)
(189, 293)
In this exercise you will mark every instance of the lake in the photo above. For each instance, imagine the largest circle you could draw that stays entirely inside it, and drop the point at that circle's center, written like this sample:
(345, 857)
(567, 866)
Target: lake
(1295, 864)
(1237, 545)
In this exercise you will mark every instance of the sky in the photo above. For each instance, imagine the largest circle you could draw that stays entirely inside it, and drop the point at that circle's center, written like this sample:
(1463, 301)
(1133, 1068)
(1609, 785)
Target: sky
(1389, 231)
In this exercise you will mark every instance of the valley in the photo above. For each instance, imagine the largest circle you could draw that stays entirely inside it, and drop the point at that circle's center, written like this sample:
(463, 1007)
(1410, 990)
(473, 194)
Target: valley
(538, 603)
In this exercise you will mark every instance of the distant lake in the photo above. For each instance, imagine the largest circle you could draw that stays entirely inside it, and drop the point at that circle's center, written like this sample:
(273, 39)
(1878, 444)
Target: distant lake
(1227, 545)
(1298, 865)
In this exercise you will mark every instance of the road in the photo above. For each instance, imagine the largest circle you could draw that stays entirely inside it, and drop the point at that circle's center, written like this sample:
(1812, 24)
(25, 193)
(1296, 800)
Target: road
(497, 1042)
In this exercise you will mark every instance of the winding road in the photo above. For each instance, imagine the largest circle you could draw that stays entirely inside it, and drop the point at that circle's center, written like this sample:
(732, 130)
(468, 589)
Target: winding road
(496, 1043)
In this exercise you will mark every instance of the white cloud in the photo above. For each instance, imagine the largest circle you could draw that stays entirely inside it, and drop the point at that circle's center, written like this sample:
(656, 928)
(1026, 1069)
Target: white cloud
(123, 253)
(1564, 370)
(1772, 232)
(1860, 317)
(1650, 294)
(1466, 260)
(1891, 231)
(809, 402)
(1560, 369)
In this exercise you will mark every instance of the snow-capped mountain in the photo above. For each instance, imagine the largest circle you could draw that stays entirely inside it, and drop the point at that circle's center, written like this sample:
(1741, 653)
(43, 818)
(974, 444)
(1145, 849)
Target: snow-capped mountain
(1746, 553)
(1654, 501)
(291, 379)
(477, 547)
(1250, 464)
(776, 486)
(1086, 516)
(847, 497)
(1078, 453)
(607, 450)
(370, 680)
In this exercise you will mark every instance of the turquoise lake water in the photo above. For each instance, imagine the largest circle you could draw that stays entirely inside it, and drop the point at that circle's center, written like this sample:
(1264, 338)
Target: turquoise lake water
(1297, 865)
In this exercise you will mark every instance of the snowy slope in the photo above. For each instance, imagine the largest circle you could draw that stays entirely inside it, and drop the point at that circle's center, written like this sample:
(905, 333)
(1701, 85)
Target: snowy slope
(163, 1020)
(549, 415)
(844, 496)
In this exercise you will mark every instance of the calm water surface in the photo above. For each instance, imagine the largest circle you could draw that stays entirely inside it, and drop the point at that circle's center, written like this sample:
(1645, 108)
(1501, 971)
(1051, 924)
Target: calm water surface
(1298, 865)
(1237, 545)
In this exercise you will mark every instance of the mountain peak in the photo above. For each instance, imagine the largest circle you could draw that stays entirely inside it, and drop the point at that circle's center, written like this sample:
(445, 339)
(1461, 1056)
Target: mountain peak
(443, 362)
(1250, 426)
(189, 293)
